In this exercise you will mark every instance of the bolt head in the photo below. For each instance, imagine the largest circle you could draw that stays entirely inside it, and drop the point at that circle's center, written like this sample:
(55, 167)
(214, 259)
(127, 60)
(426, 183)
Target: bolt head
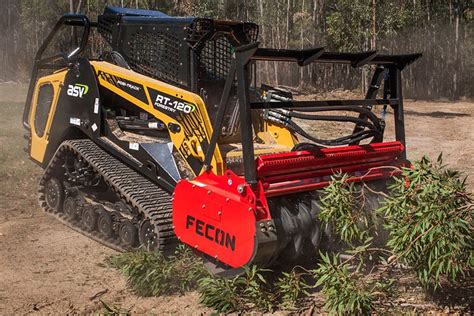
(229, 182)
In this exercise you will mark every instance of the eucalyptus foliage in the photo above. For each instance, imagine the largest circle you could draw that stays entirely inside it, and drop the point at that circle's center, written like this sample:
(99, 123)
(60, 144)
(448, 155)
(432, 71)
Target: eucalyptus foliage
(342, 207)
(429, 217)
(220, 294)
(346, 292)
(292, 287)
(152, 274)
(237, 294)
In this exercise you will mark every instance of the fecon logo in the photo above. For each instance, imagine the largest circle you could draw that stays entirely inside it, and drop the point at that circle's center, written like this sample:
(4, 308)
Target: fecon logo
(78, 90)
(210, 232)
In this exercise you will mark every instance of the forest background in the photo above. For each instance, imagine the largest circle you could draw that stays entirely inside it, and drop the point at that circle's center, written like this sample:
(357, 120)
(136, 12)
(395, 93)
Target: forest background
(442, 30)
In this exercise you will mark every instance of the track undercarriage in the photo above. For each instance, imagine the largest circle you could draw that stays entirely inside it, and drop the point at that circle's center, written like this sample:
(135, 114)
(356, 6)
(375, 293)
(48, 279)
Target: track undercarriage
(97, 195)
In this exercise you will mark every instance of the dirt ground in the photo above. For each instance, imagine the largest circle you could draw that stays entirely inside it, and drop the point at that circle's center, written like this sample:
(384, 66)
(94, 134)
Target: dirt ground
(47, 268)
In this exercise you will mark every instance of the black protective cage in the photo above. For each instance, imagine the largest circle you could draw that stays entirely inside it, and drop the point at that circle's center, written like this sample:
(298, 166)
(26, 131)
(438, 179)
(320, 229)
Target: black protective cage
(197, 53)
(387, 69)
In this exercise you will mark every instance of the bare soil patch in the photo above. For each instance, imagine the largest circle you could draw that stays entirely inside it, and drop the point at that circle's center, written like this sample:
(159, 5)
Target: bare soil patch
(49, 269)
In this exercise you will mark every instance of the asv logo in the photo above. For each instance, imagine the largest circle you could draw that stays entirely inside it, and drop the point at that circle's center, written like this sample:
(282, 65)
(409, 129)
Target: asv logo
(78, 90)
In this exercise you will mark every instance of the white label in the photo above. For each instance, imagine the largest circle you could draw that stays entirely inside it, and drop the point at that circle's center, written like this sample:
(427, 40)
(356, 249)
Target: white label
(75, 121)
(96, 106)
(133, 146)
(94, 127)
(153, 125)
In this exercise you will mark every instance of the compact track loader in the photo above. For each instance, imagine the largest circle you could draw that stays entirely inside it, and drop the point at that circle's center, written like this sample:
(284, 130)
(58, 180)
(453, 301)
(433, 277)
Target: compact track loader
(166, 138)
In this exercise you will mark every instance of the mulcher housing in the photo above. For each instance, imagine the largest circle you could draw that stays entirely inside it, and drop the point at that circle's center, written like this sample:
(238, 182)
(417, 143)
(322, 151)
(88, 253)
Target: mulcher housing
(196, 150)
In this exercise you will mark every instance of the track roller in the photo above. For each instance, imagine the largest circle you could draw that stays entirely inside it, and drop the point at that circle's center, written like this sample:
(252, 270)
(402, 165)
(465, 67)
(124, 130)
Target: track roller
(54, 194)
(105, 223)
(148, 236)
(70, 208)
(128, 233)
(90, 217)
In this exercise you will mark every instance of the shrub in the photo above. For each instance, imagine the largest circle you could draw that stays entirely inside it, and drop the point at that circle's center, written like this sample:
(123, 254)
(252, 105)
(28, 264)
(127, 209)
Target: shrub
(237, 294)
(151, 274)
(429, 217)
(343, 207)
(291, 287)
(220, 294)
(345, 292)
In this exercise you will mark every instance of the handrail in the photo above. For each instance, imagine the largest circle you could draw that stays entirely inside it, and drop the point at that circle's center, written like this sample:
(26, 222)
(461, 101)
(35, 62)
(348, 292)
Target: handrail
(67, 19)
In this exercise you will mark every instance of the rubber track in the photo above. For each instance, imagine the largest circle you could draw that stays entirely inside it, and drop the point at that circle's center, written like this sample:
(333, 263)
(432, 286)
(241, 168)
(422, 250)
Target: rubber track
(134, 189)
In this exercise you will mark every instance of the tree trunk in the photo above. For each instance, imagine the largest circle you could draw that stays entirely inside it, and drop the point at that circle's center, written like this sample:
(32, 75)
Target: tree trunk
(374, 25)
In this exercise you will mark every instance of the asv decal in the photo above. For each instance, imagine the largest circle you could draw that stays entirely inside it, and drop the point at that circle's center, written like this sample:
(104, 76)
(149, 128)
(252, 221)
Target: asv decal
(78, 90)
(173, 105)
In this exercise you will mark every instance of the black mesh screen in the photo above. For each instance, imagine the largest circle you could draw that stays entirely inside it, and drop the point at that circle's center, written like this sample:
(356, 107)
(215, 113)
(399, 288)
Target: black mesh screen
(43, 107)
(215, 53)
(163, 48)
(215, 58)
(155, 54)
(105, 26)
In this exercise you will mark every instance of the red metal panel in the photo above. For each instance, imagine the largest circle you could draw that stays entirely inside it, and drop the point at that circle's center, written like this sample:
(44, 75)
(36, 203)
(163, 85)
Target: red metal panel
(299, 171)
(217, 216)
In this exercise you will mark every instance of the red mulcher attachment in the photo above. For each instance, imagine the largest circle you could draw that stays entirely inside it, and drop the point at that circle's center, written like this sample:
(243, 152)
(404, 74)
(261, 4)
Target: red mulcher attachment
(270, 213)
(231, 223)
(303, 170)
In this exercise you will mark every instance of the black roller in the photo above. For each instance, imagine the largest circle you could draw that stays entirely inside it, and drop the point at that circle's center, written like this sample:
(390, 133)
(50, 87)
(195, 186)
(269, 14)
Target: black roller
(148, 236)
(105, 224)
(90, 218)
(70, 208)
(54, 194)
(128, 233)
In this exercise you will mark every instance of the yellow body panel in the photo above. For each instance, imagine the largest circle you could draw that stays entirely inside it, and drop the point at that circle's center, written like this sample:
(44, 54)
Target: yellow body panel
(39, 144)
(188, 143)
(195, 127)
(274, 133)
